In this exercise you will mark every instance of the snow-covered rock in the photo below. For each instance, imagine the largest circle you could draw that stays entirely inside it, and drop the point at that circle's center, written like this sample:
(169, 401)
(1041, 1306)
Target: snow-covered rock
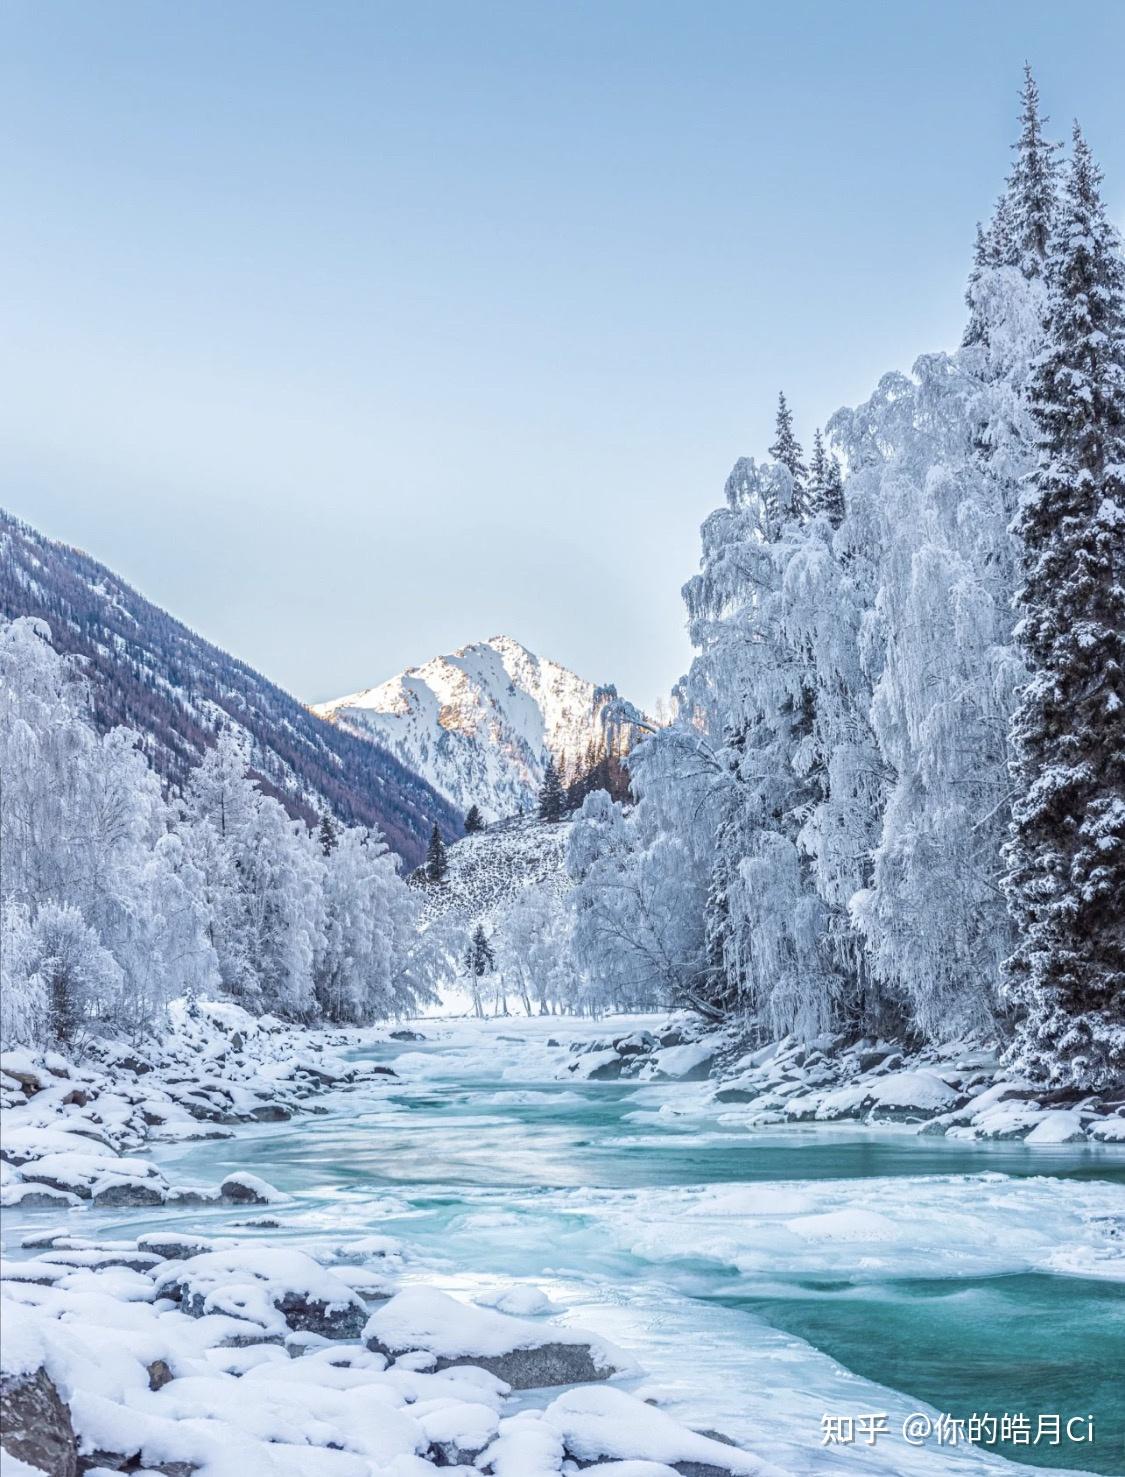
(524, 1355)
(600, 1424)
(277, 1288)
(244, 1188)
(520, 1301)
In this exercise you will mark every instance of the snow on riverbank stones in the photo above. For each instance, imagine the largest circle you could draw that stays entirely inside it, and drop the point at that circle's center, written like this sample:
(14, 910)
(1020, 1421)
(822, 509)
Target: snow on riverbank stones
(958, 1089)
(525, 1355)
(606, 1431)
(279, 1289)
(70, 1126)
(119, 1360)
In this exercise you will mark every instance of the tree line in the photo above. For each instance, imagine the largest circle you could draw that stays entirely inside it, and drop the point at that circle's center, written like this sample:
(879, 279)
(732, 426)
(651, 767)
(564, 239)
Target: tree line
(893, 797)
(118, 897)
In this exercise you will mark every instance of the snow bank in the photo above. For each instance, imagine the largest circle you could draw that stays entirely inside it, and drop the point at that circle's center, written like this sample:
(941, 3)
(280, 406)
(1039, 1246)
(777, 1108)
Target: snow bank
(598, 1424)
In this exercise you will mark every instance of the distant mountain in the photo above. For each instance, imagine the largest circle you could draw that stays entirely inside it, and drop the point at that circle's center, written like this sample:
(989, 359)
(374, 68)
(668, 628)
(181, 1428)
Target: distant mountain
(150, 672)
(479, 724)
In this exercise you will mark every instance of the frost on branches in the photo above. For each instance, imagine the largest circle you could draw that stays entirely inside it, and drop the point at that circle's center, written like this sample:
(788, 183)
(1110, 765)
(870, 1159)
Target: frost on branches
(819, 838)
(116, 900)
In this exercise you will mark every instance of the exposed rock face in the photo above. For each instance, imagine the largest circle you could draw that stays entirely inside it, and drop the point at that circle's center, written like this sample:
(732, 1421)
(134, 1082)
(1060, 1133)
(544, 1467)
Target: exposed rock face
(541, 1366)
(329, 1320)
(35, 1424)
(159, 1374)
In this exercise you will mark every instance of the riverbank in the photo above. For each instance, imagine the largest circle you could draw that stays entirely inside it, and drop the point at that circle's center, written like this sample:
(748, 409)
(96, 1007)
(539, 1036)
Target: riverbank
(180, 1353)
(708, 1259)
(961, 1089)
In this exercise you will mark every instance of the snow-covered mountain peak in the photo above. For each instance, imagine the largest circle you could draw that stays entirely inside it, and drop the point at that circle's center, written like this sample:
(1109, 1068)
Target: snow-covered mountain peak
(479, 722)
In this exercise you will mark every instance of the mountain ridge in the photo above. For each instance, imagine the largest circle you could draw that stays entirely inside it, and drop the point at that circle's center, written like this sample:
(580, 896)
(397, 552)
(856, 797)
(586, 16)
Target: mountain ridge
(151, 672)
(480, 722)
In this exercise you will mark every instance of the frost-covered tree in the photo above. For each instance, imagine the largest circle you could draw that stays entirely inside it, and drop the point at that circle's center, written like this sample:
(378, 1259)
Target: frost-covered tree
(535, 952)
(367, 936)
(637, 906)
(1032, 184)
(437, 863)
(786, 450)
(827, 853)
(116, 900)
(265, 878)
(474, 821)
(89, 857)
(1066, 857)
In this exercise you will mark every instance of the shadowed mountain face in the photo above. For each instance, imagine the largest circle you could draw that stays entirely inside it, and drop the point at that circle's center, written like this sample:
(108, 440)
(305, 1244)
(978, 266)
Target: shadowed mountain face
(150, 672)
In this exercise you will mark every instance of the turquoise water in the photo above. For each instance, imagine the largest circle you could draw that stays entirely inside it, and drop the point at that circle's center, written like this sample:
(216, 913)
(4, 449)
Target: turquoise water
(836, 1265)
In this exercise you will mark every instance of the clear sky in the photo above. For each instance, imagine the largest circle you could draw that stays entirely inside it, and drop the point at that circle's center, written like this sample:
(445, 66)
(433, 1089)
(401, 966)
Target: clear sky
(351, 332)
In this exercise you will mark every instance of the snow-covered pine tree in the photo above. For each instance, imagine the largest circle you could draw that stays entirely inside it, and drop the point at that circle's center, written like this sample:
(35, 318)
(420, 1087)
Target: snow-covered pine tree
(786, 449)
(480, 958)
(1066, 854)
(551, 795)
(824, 495)
(437, 863)
(474, 821)
(1031, 187)
(834, 505)
(818, 477)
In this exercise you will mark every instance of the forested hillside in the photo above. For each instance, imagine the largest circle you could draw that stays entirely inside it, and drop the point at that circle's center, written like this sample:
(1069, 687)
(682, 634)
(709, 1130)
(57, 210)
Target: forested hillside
(152, 674)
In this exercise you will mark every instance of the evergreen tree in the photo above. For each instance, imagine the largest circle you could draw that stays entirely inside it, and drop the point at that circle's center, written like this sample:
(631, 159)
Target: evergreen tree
(437, 864)
(824, 495)
(479, 957)
(327, 834)
(474, 821)
(786, 449)
(1066, 853)
(1031, 193)
(551, 796)
(834, 505)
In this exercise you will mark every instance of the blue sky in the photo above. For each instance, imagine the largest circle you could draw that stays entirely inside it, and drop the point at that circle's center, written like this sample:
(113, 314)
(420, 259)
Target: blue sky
(353, 332)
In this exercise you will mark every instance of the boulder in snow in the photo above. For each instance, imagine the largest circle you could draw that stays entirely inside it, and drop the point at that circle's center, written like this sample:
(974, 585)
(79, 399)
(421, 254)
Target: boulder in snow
(35, 1424)
(527, 1356)
(248, 1189)
(606, 1424)
(275, 1288)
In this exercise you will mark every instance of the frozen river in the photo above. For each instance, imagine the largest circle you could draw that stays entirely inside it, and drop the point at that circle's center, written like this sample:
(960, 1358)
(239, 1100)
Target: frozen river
(760, 1281)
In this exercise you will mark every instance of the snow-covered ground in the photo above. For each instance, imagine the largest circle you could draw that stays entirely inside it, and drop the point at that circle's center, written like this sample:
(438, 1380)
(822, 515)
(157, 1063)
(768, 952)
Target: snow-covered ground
(400, 1264)
(489, 869)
